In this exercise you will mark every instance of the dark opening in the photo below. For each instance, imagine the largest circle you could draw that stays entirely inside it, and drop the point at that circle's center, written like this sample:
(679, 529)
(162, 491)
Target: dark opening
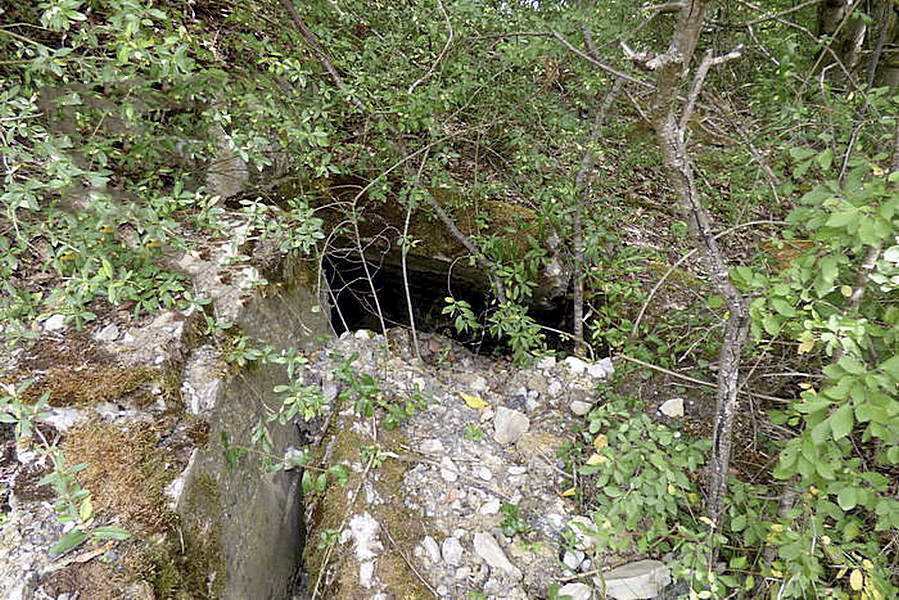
(430, 282)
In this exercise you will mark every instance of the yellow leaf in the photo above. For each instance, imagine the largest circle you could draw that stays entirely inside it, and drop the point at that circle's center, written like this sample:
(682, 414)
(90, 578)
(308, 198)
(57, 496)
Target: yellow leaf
(856, 580)
(597, 459)
(777, 527)
(825, 539)
(600, 442)
(867, 564)
(806, 345)
(569, 492)
(706, 520)
(671, 490)
(846, 290)
(86, 510)
(473, 401)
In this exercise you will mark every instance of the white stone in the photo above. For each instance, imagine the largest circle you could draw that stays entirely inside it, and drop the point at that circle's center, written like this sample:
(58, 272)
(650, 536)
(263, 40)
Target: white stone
(575, 364)
(54, 322)
(451, 549)
(579, 407)
(673, 408)
(479, 384)
(572, 559)
(487, 548)
(517, 470)
(634, 581)
(364, 334)
(448, 470)
(546, 363)
(431, 446)
(601, 369)
(490, 507)
(484, 473)
(63, 418)
(509, 425)
(576, 591)
(110, 333)
(363, 529)
(431, 548)
(554, 389)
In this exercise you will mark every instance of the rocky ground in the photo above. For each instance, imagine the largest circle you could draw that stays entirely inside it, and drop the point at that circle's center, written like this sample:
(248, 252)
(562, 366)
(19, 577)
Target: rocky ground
(468, 498)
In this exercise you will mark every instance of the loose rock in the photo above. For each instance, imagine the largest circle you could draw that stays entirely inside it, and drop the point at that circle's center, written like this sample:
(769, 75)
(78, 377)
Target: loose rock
(580, 408)
(639, 580)
(673, 408)
(452, 551)
(486, 547)
(509, 425)
(576, 591)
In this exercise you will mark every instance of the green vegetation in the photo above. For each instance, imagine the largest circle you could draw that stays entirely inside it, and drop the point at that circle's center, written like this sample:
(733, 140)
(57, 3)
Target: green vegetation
(577, 151)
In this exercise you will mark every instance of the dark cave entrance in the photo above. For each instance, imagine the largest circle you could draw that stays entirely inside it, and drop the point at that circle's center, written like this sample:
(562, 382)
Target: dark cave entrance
(430, 282)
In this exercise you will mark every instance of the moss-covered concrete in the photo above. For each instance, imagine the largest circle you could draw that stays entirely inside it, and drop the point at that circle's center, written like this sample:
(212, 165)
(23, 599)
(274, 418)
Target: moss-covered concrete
(255, 518)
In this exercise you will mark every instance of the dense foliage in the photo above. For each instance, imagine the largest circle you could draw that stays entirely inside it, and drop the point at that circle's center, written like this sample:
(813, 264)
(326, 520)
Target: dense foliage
(114, 112)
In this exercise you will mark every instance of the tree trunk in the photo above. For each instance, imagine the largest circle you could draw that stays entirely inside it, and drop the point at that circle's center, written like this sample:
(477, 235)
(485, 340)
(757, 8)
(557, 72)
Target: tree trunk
(670, 120)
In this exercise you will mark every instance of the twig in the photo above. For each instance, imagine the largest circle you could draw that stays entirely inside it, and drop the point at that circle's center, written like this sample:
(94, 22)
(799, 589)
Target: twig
(404, 252)
(643, 363)
(682, 259)
(597, 63)
(780, 15)
(352, 501)
(408, 562)
(449, 40)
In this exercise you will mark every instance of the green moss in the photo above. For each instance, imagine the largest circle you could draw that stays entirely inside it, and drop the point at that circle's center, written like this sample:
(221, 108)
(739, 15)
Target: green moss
(404, 532)
(202, 566)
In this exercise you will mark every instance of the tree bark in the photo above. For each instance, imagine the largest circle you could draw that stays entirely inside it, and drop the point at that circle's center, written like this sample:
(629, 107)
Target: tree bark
(670, 120)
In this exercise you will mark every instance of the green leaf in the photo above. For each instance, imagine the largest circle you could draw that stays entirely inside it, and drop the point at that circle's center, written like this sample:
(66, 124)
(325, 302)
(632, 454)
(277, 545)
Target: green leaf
(847, 218)
(783, 307)
(110, 532)
(829, 270)
(825, 159)
(825, 470)
(847, 498)
(851, 365)
(67, 542)
(891, 366)
(820, 432)
(841, 422)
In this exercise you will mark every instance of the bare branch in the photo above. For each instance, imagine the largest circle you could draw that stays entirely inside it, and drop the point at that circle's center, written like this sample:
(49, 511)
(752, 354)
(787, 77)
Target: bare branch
(449, 41)
(597, 63)
(780, 15)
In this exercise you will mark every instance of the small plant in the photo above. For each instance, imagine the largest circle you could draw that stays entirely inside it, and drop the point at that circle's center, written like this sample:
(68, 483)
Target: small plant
(473, 433)
(373, 454)
(364, 391)
(512, 523)
(73, 505)
(464, 319)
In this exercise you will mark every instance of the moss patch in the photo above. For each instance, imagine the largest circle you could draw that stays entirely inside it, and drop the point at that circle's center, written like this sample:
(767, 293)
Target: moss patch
(399, 534)
(92, 383)
(125, 471)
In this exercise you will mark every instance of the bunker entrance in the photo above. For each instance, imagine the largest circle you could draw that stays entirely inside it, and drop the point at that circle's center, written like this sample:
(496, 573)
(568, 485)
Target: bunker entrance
(430, 281)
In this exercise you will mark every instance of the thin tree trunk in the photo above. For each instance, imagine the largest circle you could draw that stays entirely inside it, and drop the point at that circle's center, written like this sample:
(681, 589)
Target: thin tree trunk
(580, 184)
(670, 122)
